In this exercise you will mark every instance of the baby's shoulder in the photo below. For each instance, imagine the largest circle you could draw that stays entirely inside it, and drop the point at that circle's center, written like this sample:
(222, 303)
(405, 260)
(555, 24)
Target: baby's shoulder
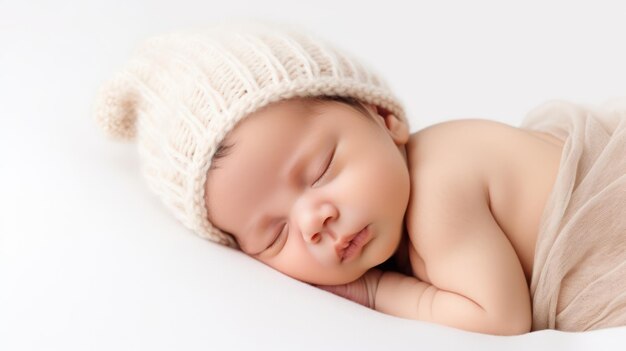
(449, 165)
(501, 157)
(460, 166)
(458, 143)
(453, 166)
(459, 148)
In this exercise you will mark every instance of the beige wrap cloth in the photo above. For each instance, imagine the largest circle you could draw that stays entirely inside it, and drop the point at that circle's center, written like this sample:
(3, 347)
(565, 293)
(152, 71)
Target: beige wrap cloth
(579, 274)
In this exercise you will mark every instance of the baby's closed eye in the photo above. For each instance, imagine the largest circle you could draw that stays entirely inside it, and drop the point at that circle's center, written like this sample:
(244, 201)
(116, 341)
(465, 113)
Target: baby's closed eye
(325, 166)
(277, 238)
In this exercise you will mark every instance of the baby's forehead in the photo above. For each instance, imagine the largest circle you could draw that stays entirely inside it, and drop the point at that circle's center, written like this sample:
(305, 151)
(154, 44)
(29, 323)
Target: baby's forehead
(274, 117)
(280, 112)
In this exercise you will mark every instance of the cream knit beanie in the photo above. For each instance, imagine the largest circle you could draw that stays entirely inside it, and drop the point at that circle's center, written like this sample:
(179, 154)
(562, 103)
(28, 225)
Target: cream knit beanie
(182, 92)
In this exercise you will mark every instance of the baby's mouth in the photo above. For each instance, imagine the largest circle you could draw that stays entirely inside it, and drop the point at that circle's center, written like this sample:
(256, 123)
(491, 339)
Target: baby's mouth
(350, 246)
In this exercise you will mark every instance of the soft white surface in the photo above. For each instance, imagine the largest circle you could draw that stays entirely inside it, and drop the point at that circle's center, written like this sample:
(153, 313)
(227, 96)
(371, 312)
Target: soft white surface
(90, 260)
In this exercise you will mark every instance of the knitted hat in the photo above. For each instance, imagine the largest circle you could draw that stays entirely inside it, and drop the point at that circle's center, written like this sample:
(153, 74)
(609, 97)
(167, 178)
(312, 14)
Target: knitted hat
(182, 92)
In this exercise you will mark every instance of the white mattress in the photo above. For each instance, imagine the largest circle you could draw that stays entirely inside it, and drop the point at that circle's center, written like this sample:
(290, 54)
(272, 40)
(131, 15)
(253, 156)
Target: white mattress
(89, 258)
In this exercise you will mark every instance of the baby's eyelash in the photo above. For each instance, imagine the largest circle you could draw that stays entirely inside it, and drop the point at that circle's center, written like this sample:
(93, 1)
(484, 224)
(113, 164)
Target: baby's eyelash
(328, 164)
(277, 237)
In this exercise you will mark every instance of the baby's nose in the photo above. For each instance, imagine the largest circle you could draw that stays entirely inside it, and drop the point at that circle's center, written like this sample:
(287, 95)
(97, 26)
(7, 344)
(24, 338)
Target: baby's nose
(315, 221)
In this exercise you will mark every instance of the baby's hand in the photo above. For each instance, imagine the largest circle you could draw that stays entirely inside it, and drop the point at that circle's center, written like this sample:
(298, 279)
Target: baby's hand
(362, 290)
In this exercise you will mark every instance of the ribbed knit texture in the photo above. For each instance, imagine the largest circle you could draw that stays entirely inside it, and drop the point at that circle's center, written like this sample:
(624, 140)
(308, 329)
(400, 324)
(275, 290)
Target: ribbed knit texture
(182, 92)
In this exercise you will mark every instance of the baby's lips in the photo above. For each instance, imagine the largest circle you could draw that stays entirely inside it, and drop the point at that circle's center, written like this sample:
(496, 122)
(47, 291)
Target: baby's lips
(343, 243)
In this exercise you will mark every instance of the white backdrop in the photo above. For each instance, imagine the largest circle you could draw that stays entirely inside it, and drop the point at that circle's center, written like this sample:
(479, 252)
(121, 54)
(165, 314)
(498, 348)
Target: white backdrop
(89, 259)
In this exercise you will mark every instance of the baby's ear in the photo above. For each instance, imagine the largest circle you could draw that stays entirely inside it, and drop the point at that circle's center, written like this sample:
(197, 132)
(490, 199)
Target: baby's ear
(395, 127)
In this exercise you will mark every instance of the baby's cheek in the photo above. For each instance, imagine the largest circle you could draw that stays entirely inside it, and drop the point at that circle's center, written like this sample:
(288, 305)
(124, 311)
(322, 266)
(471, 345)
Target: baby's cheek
(390, 186)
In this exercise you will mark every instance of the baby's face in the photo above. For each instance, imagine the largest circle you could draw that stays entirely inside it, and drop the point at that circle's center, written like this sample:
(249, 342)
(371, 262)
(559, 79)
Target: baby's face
(318, 192)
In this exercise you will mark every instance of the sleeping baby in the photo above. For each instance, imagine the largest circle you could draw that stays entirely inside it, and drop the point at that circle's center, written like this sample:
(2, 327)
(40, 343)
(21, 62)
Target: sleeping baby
(264, 138)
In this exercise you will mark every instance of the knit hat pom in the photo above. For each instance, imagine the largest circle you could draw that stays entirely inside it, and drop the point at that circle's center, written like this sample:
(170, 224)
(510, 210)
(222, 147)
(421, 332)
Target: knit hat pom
(116, 108)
